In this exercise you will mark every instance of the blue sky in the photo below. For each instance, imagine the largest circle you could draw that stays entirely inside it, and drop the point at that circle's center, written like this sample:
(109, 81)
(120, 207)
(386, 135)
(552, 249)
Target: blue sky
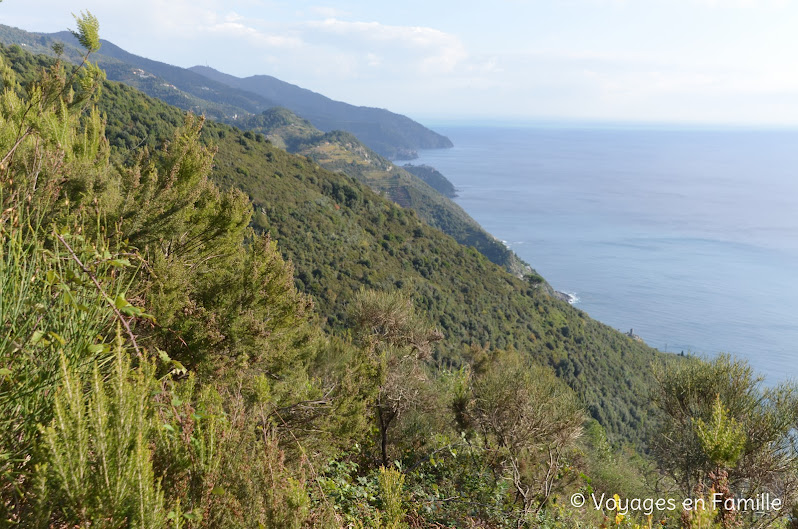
(695, 61)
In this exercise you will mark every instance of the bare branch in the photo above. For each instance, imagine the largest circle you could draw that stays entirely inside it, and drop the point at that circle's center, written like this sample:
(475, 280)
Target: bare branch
(120, 317)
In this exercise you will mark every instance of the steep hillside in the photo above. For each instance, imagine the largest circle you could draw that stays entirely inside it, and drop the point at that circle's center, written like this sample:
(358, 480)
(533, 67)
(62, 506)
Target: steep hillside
(334, 150)
(162, 365)
(392, 135)
(343, 152)
(433, 177)
(218, 95)
(341, 236)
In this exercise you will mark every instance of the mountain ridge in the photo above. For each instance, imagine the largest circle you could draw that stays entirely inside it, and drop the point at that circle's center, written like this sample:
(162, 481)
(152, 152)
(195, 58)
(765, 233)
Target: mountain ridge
(392, 135)
(337, 151)
(327, 114)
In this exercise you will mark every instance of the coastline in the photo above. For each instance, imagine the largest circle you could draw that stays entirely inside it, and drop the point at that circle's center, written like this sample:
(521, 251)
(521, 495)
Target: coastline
(648, 227)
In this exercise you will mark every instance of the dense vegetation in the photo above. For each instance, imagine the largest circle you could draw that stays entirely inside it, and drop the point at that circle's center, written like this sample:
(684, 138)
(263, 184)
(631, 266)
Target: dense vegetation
(198, 329)
(335, 150)
(391, 135)
(342, 152)
(433, 178)
(227, 98)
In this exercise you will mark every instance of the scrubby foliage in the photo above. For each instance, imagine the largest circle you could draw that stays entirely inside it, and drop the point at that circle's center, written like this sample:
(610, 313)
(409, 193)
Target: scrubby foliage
(341, 237)
(343, 152)
(199, 330)
(724, 431)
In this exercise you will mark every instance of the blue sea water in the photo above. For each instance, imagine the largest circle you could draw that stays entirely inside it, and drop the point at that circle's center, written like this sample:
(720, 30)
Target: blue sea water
(689, 237)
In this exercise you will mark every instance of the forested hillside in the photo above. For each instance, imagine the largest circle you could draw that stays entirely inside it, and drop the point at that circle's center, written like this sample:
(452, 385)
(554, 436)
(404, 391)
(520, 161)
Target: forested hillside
(335, 150)
(392, 135)
(227, 98)
(432, 177)
(199, 329)
(341, 237)
(342, 152)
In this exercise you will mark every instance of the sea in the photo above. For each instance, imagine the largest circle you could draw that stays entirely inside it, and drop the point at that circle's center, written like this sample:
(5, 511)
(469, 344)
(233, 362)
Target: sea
(688, 236)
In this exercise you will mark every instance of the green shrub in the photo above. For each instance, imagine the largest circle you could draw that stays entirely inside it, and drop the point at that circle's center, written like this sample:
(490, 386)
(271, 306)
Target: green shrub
(98, 468)
(391, 483)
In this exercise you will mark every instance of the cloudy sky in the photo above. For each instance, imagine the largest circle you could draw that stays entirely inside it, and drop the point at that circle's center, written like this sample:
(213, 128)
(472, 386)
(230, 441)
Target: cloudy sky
(698, 61)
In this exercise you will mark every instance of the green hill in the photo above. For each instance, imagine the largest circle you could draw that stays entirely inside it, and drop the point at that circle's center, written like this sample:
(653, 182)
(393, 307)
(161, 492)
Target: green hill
(335, 150)
(392, 135)
(227, 98)
(343, 152)
(341, 236)
(433, 177)
(163, 365)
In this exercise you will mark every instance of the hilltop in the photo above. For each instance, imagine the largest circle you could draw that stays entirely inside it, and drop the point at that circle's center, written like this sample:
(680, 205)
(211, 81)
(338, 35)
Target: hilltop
(392, 135)
(227, 98)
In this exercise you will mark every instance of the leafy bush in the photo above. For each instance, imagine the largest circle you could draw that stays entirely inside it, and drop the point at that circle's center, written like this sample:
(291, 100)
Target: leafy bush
(98, 467)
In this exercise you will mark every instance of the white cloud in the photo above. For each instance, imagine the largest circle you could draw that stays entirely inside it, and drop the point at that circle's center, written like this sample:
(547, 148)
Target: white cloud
(327, 12)
(622, 61)
(431, 50)
(235, 29)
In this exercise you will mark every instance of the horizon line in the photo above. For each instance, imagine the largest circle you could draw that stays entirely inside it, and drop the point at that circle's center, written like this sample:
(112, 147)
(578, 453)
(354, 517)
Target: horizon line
(607, 123)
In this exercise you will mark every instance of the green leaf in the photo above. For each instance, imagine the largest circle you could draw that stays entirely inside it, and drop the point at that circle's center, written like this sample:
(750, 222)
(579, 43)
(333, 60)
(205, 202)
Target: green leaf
(120, 301)
(37, 337)
(69, 297)
(57, 337)
(119, 263)
(88, 32)
(130, 310)
(179, 368)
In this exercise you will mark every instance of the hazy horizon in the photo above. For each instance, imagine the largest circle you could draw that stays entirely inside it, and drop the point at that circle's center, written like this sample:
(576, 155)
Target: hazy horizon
(713, 62)
(576, 123)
